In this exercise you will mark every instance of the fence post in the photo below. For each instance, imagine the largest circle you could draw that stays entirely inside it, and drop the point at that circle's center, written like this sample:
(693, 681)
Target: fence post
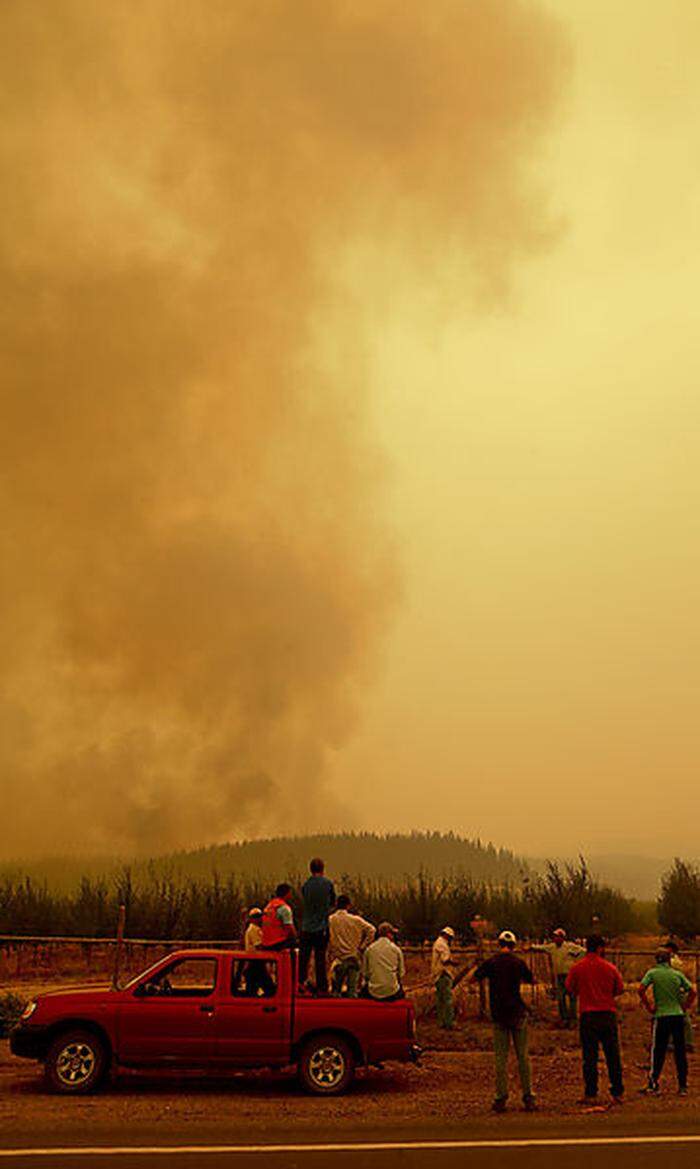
(118, 948)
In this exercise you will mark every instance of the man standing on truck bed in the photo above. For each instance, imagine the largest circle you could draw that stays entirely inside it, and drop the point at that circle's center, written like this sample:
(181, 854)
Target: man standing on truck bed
(383, 967)
(350, 935)
(278, 930)
(506, 973)
(318, 895)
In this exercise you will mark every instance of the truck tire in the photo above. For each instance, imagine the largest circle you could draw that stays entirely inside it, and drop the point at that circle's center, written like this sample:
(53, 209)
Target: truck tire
(326, 1065)
(76, 1062)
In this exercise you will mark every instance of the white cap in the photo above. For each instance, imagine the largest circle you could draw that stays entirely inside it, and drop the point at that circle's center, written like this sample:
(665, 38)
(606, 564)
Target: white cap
(559, 933)
(448, 930)
(507, 936)
(255, 912)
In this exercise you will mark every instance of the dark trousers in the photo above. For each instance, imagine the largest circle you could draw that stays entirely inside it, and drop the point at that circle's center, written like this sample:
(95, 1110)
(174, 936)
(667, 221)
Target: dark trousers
(315, 943)
(599, 1029)
(665, 1028)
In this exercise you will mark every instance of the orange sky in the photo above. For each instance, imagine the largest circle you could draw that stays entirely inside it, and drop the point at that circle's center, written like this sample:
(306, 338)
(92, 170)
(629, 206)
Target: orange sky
(542, 681)
(350, 424)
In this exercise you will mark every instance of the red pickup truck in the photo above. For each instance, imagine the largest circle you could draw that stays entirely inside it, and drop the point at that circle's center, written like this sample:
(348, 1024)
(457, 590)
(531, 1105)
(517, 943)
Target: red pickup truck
(211, 1010)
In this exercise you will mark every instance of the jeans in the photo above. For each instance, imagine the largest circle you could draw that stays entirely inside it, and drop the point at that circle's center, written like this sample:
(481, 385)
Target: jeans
(346, 972)
(501, 1042)
(443, 1002)
(315, 943)
(565, 1001)
(665, 1028)
(599, 1029)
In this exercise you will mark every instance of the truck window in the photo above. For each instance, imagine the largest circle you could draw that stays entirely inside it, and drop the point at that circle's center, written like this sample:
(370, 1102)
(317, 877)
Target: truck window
(254, 978)
(185, 978)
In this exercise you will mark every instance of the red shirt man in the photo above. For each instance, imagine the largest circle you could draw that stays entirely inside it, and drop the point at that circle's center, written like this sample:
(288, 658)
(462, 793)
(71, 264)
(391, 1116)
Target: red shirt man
(597, 984)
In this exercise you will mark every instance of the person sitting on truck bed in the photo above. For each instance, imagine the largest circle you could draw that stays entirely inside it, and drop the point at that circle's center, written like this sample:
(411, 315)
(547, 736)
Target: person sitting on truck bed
(383, 967)
(350, 935)
(278, 930)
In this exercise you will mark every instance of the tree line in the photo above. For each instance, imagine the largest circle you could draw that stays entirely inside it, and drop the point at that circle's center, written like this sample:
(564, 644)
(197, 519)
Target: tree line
(168, 906)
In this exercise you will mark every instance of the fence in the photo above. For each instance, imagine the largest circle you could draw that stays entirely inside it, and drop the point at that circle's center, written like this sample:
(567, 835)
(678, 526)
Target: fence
(26, 958)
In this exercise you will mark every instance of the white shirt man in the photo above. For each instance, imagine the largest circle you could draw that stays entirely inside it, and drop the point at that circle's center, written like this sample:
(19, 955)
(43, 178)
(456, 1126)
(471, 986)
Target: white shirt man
(383, 966)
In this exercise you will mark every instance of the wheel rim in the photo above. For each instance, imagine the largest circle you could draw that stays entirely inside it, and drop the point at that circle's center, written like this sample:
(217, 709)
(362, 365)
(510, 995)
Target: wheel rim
(75, 1064)
(327, 1067)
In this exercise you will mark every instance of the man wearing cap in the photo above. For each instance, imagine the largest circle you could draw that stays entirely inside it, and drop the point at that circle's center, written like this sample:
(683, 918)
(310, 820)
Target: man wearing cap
(506, 973)
(562, 955)
(383, 967)
(673, 995)
(253, 933)
(442, 973)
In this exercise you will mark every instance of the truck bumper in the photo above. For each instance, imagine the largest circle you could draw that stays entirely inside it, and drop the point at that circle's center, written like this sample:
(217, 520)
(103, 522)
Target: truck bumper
(28, 1042)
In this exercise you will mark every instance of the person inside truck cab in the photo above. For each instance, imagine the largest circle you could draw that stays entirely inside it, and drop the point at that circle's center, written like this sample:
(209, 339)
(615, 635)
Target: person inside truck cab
(278, 929)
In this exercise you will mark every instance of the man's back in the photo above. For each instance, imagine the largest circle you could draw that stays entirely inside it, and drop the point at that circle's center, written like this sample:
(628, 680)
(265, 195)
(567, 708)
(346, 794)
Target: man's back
(319, 898)
(505, 973)
(596, 982)
(349, 934)
(383, 968)
(669, 987)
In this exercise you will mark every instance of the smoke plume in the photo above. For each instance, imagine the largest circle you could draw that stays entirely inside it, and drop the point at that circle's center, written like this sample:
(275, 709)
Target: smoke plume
(195, 569)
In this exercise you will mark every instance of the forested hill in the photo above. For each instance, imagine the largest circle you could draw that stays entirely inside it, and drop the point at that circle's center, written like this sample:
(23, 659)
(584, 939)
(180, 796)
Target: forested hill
(370, 855)
(367, 854)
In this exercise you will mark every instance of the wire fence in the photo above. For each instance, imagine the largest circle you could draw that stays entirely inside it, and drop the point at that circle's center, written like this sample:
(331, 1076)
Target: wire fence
(35, 958)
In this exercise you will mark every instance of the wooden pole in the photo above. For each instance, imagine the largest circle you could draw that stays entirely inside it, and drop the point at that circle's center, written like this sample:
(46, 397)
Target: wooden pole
(121, 923)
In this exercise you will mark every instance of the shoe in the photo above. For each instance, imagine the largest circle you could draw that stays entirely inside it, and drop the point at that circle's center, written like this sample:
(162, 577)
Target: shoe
(617, 1101)
(650, 1089)
(682, 1091)
(499, 1104)
(529, 1104)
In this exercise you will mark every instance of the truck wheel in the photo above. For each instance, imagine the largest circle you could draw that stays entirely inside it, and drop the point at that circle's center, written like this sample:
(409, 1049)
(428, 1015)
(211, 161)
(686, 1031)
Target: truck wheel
(326, 1065)
(76, 1063)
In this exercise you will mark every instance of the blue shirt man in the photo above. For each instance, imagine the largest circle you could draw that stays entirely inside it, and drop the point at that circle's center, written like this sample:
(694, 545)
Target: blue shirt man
(318, 895)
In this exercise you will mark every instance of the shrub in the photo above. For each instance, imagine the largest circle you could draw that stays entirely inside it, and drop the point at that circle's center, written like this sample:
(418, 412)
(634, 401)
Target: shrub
(679, 903)
(11, 1007)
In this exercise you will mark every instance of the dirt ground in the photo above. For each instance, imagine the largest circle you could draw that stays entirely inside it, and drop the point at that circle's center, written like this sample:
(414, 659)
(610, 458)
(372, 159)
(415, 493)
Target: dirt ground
(453, 1083)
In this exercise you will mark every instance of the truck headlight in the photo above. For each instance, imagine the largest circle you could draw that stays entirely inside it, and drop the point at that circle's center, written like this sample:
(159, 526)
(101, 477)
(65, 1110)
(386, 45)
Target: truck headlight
(28, 1011)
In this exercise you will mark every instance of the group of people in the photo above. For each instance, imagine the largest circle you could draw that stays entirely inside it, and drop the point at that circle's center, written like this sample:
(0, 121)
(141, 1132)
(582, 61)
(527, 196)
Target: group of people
(366, 961)
(362, 959)
(584, 980)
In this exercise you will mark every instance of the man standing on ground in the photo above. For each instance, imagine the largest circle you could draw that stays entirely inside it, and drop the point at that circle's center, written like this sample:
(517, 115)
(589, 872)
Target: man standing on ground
(597, 984)
(506, 973)
(672, 995)
(319, 898)
(677, 964)
(383, 967)
(442, 973)
(278, 930)
(562, 955)
(350, 935)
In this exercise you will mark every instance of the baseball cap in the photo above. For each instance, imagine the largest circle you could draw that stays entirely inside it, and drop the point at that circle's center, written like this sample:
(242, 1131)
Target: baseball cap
(507, 936)
(559, 933)
(448, 930)
(255, 912)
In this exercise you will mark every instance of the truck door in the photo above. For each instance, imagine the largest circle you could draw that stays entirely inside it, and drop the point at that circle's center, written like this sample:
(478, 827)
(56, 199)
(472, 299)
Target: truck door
(170, 1017)
(253, 1013)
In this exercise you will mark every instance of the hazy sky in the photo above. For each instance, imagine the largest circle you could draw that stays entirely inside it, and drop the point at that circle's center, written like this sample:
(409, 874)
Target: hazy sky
(542, 680)
(350, 424)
